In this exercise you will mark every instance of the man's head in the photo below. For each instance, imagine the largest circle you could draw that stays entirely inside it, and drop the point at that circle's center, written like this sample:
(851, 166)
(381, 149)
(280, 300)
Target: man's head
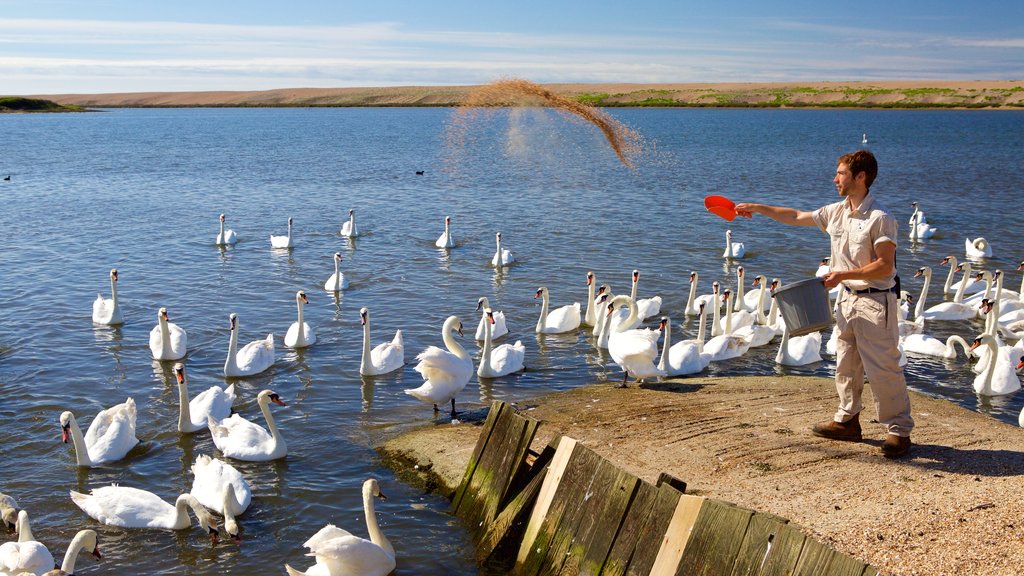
(861, 165)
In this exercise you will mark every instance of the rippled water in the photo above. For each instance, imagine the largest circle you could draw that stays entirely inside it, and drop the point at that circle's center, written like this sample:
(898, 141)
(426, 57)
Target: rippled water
(140, 190)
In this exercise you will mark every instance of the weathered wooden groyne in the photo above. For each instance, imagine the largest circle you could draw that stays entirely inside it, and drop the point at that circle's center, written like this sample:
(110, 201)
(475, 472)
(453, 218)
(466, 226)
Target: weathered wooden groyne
(569, 511)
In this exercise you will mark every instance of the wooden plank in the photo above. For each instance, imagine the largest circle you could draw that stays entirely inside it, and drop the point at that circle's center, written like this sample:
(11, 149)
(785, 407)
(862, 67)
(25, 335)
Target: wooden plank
(648, 542)
(603, 516)
(715, 539)
(870, 570)
(784, 552)
(512, 519)
(552, 479)
(753, 550)
(666, 478)
(636, 518)
(556, 536)
(673, 543)
(817, 558)
(497, 407)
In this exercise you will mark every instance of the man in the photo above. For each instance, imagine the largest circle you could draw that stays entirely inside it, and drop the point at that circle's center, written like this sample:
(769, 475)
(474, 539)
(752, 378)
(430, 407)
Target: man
(863, 238)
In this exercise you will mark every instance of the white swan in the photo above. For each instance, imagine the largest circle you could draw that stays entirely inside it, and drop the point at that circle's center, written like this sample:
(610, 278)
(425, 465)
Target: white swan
(383, 358)
(225, 237)
(8, 511)
(604, 322)
(25, 555)
(214, 401)
(1000, 376)
(498, 329)
(283, 241)
(167, 340)
(220, 487)
(445, 372)
(110, 436)
(760, 332)
(725, 346)
(339, 552)
(931, 346)
(83, 540)
(126, 507)
(734, 320)
(337, 281)
(562, 319)
(497, 361)
(733, 249)
(920, 230)
(590, 317)
(716, 323)
(105, 311)
(823, 268)
(349, 228)
(955, 310)
(684, 357)
(241, 439)
(800, 350)
(446, 240)
(756, 296)
(693, 307)
(253, 358)
(646, 307)
(977, 248)
(917, 215)
(601, 297)
(502, 257)
(633, 349)
(299, 334)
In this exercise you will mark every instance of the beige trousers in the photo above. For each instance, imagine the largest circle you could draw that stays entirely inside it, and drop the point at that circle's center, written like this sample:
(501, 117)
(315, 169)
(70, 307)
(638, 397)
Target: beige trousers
(868, 342)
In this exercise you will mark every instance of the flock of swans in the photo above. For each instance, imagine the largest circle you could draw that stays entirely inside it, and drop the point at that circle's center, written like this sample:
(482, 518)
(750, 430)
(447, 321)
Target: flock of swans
(729, 321)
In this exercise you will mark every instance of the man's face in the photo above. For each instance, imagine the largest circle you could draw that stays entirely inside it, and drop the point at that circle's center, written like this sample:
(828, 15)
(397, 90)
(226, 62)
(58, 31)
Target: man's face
(844, 180)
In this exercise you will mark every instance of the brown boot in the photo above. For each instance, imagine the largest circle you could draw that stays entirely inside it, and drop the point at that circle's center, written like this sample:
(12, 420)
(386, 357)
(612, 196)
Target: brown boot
(848, 431)
(895, 446)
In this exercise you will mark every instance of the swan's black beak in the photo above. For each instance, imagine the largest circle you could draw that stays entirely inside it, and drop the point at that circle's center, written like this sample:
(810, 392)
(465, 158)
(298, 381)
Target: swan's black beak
(459, 329)
(96, 553)
(236, 538)
(381, 495)
(214, 535)
(479, 304)
(277, 400)
(65, 431)
(11, 527)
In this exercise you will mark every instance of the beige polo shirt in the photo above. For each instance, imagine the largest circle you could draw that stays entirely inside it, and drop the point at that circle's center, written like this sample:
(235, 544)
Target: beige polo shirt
(854, 235)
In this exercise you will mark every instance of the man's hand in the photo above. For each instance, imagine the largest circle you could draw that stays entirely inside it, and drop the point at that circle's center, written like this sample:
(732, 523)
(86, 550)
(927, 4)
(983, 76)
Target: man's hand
(832, 279)
(746, 209)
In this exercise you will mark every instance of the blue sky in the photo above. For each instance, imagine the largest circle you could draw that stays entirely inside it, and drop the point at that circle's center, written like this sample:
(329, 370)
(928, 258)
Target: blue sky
(61, 46)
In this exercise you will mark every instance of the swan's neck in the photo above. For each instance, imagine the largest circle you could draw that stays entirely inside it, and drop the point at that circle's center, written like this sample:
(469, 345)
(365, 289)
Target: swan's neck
(165, 338)
(543, 320)
(485, 354)
(230, 505)
(271, 425)
(761, 318)
(113, 291)
(919, 309)
(497, 241)
(376, 536)
(222, 231)
(993, 350)
(632, 291)
(999, 288)
(959, 297)
(364, 363)
(181, 519)
(992, 320)
(951, 345)
(184, 412)
(700, 330)
(76, 546)
(988, 287)
(352, 222)
(591, 289)
(453, 346)
(81, 449)
(728, 314)
(302, 329)
(728, 246)
(633, 316)
(231, 364)
(772, 312)
(716, 317)
(337, 275)
(693, 294)
(738, 300)
(949, 278)
(24, 529)
(666, 345)
(289, 230)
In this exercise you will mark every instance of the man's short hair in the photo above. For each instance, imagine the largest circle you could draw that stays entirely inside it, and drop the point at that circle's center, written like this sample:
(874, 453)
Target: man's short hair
(861, 161)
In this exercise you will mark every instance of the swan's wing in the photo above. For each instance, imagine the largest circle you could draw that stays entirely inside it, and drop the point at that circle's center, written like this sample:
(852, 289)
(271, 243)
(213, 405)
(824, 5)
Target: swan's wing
(648, 307)
(213, 401)
(25, 557)
(565, 317)
(508, 358)
(387, 355)
(441, 366)
(111, 433)
(179, 339)
(155, 342)
(353, 555)
(325, 534)
(238, 437)
(642, 343)
(125, 507)
(102, 309)
(256, 356)
(211, 476)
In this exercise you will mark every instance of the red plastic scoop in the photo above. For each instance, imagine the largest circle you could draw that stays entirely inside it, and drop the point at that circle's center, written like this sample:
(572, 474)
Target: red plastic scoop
(722, 206)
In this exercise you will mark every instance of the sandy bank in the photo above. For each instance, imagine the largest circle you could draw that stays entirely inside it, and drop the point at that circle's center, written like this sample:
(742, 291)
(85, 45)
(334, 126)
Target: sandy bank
(890, 94)
(953, 508)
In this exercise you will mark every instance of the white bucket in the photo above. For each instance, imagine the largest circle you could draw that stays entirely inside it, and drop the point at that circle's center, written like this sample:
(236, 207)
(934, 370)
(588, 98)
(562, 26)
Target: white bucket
(804, 306)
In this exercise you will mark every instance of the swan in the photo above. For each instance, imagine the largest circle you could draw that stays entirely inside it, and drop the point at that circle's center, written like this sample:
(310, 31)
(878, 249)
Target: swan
(83, 540)
(349, 229)
(299, 334)
(590, 315)
(633, 349)
(685, 357)
(977, 248)
(563, 319)
(253, 358)
(733, 249)
(759, 333)
(500, 360)
(384, 357)
(498, 329)
(25, 555)
(241, 439)
(225, 237)
(716, 318)
(604, 322)
(930, 346)
(1000, 376)
(726, 346)
(916, 326)
(755, 298)
(823, 268)
(693, 307)
(220, 487)
(601, 296)
(446, 240)
(734, 320)
(971, 285)
(339, 552)
(774, 316)
(167, 340)
(955, 310)
(501, 257)
(864, 139)
(283, 241)
(337, 281)
(105, 311)
(917, 215)
(920, 230)
(127, 507)
(445, 372)
(110, 436)
(646, 307)
(214, 401)
(8, 511)
(800, 350)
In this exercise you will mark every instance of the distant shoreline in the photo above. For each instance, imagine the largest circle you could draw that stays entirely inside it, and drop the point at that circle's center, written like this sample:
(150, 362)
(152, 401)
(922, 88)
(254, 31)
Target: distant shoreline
(910, 94)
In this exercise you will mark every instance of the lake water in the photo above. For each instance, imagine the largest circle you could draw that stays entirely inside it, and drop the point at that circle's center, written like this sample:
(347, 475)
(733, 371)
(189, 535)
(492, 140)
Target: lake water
(140, 190)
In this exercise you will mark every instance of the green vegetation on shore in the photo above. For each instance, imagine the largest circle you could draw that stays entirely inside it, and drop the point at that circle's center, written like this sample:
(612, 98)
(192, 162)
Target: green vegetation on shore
(13, 104)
